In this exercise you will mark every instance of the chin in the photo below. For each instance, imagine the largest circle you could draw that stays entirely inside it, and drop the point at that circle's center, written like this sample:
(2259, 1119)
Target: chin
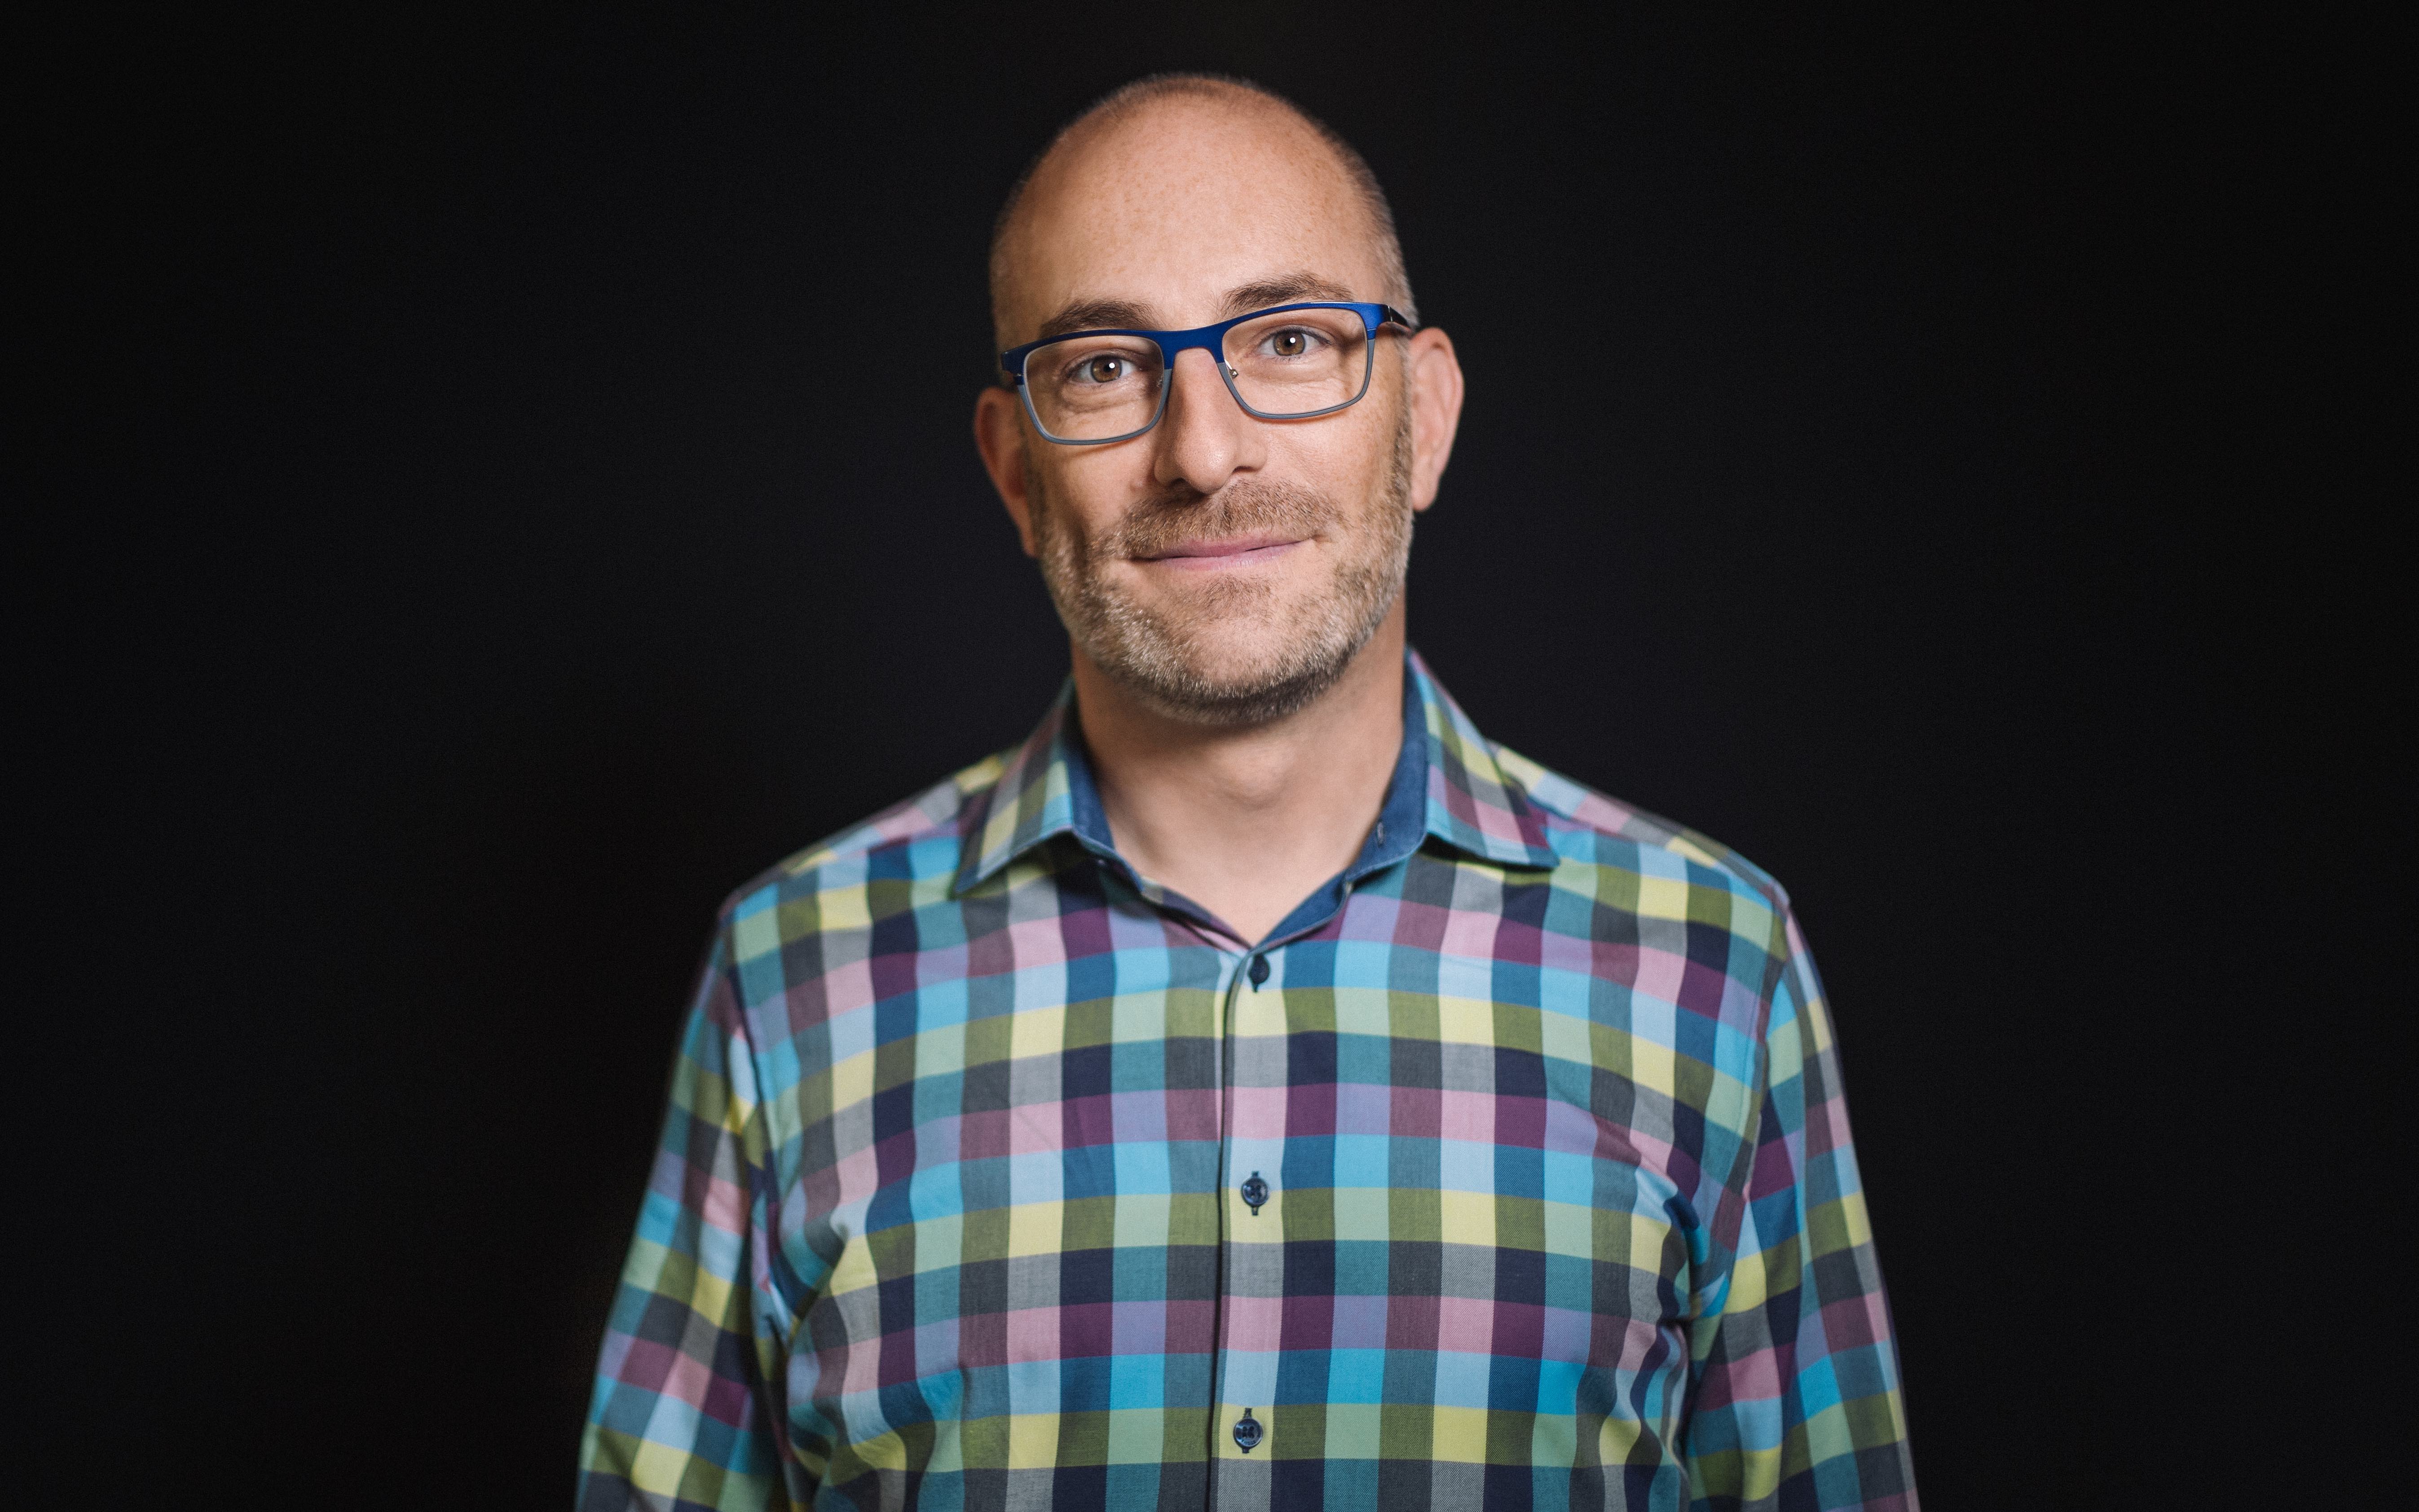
(1239, 659)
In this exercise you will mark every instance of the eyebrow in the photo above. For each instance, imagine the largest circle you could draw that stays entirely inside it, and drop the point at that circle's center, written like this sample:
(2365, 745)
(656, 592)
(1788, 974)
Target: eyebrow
(1096, 314)
(1124, 315)
(1286, 288)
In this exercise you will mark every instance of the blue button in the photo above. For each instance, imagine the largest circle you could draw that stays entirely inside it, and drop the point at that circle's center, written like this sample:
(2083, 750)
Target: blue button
(1247, 1433)
(1254, 1193)
(1259, 970)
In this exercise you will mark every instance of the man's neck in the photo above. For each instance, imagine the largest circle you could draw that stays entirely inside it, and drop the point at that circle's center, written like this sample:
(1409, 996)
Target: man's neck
(1247, 821)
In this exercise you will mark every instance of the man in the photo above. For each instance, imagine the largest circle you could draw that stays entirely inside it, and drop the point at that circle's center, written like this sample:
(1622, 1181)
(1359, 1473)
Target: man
(1256, 1089)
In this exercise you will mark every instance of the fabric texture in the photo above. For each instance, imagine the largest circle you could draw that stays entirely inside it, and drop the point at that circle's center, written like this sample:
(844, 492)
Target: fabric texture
(1513, 1169)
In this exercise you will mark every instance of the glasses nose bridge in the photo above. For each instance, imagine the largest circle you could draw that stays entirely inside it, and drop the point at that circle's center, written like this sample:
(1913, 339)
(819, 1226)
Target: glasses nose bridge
(1208, 339)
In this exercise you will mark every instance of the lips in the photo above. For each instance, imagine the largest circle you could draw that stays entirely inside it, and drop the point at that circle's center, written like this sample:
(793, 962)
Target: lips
(1230, 551)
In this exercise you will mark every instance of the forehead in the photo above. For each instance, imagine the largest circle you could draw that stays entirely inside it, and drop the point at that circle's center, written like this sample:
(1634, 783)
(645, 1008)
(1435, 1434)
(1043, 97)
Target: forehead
(1171, 208)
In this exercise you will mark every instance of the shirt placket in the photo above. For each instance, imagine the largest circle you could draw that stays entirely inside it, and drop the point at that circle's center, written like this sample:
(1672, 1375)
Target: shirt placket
(1245, 1427)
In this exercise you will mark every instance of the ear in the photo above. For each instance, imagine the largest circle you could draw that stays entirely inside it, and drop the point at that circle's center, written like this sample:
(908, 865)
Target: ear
(1436, 409)
(999, 436)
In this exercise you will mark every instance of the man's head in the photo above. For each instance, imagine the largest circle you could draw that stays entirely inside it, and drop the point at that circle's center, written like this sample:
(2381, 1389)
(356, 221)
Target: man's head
(1225, 570)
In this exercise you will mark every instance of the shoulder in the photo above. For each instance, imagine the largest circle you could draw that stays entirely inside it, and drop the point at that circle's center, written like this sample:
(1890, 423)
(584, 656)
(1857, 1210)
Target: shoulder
(914, 840)
(1590, 827)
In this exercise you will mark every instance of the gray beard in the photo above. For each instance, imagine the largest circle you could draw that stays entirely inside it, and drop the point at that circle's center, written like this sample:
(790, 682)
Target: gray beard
(1161, 656)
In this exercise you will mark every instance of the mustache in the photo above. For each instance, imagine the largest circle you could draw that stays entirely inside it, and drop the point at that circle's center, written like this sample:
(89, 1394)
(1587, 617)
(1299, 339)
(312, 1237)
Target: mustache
(1183, 514)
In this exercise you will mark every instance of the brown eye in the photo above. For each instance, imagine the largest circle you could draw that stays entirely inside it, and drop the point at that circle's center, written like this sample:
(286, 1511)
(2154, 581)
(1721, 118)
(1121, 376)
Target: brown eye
(1104, 369)
(1291, 344)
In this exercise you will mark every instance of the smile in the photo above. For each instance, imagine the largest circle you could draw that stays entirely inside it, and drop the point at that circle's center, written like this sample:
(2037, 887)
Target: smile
(1234, 551)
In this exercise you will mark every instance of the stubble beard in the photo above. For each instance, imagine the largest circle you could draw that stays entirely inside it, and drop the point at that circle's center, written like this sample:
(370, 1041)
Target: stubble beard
(1166, 656)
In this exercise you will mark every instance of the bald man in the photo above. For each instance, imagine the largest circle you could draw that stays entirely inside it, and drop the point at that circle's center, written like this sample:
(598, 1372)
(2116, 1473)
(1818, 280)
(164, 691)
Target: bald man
(1256, 1089)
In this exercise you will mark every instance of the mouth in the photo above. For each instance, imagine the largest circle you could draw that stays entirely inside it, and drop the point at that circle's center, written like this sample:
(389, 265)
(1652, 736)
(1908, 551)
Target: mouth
(1229, 552)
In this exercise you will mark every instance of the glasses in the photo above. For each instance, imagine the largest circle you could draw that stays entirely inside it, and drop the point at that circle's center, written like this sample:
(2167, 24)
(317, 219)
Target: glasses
(1292, 361)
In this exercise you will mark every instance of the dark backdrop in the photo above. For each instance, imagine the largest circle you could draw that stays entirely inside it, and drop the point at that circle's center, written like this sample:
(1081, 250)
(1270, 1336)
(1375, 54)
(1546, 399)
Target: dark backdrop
(510, 485)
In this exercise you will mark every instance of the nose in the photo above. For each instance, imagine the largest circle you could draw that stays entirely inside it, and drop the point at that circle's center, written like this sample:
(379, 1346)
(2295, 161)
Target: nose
(1205, 439)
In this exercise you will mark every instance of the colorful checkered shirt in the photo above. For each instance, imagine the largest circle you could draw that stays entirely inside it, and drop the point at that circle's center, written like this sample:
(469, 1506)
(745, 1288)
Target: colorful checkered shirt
(1511, 1170)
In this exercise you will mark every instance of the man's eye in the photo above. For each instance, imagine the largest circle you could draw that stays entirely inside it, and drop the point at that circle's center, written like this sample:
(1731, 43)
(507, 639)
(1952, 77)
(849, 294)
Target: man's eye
(1294, 342)
(1103, 369)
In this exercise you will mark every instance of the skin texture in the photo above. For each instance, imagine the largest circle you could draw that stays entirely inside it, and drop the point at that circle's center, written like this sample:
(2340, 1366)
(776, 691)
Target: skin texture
(1242, 707)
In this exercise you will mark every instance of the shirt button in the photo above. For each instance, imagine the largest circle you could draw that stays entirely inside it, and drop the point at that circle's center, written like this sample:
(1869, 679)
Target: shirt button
(1247, 1432)
(1254, 1193)
(1259, 972)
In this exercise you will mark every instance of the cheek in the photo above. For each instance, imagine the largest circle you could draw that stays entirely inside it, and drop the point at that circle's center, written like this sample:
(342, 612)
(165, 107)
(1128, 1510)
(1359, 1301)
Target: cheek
(1348, 462)
(1091, 488)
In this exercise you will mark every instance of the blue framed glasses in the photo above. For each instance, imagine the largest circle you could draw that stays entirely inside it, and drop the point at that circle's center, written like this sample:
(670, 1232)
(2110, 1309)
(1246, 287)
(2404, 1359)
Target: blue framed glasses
(1291, 362)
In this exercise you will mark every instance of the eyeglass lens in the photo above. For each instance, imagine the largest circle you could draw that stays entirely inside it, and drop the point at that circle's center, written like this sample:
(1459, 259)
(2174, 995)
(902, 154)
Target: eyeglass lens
(1291, 364)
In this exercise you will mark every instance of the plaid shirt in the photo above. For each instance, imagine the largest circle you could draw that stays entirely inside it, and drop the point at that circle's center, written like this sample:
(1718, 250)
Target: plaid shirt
(1511, 1169)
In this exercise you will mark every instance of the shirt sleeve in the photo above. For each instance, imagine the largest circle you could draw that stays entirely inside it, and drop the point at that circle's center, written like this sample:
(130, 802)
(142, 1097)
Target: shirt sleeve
(1795, 1398)
(684, 1411)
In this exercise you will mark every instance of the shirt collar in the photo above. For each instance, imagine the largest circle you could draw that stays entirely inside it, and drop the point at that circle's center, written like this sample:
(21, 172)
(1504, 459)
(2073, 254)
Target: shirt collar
(1446, 784)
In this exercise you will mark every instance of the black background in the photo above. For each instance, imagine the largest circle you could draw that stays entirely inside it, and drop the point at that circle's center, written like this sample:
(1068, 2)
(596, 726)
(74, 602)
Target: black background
(504, 481)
